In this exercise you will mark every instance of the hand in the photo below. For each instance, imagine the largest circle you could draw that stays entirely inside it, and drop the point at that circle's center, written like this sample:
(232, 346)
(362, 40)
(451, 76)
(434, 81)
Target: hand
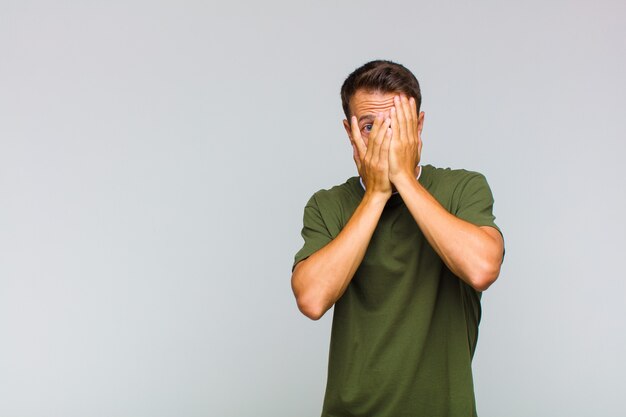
(406, 142)
(372, 161)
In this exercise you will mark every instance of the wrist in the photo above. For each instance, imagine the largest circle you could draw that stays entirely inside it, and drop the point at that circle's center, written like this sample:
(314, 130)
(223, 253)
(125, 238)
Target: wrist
(376, 197)
(402, 178)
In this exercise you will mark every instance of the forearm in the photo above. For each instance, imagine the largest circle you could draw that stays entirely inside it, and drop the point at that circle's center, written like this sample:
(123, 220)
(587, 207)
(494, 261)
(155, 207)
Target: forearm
(320, 280)
(468, 251)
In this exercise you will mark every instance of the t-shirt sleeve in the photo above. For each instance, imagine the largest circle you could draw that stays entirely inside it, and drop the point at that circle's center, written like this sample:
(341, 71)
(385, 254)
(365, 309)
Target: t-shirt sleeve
(476, 203)
(314, 232)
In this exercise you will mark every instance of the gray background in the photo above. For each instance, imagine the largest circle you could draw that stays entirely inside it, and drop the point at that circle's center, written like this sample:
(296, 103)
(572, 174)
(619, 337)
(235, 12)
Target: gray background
(156, 157)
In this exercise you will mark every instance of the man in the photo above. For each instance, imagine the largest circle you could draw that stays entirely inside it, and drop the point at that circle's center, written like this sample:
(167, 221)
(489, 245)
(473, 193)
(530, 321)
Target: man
(403, 253)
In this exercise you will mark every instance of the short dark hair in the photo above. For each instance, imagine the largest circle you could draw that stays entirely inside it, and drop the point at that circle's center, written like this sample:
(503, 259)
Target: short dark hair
(383, 76)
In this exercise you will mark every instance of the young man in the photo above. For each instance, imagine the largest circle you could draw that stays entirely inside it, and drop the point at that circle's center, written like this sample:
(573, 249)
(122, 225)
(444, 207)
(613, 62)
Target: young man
(403, 252)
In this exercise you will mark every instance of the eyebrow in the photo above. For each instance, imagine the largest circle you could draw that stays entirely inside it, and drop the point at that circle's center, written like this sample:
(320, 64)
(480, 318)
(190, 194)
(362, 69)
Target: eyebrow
(367, 117)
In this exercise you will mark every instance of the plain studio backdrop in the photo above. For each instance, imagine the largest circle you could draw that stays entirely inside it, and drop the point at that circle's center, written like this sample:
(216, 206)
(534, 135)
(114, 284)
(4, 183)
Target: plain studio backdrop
(156, 157)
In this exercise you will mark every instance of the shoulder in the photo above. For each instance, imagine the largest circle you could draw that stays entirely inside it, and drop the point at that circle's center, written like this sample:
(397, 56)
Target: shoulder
(348, 191)
(452, 180)
(335, 205)
(453, 175)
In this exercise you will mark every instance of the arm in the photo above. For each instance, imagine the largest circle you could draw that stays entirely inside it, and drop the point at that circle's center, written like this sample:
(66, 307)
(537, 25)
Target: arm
(321, 279)
(473, 253)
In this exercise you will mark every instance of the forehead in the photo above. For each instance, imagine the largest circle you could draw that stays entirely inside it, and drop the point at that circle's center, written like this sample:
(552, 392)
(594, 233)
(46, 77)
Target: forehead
(366, 103)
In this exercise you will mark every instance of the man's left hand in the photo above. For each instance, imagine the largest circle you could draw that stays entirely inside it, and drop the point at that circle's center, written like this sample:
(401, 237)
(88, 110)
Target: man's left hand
(406, 142)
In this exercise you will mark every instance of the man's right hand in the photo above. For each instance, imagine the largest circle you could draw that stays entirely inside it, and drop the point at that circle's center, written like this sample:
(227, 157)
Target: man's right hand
(372, 160)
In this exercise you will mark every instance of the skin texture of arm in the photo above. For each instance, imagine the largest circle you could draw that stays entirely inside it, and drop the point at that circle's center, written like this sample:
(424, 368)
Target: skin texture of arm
(322, 278)
(473, 253)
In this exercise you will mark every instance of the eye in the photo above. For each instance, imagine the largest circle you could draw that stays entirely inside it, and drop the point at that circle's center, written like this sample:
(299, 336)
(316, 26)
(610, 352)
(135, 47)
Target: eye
(367, 128)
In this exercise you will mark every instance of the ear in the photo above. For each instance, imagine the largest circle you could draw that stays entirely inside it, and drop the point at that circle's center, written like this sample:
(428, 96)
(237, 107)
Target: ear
(346, 125)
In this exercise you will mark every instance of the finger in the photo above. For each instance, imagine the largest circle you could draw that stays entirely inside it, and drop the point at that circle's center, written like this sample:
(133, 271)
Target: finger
(378, 140)
(384, 149)
(396, 137)
(395, 125)
(415, 116)
(378, 121)
(356, 138)
(401, 118)
(408, 116)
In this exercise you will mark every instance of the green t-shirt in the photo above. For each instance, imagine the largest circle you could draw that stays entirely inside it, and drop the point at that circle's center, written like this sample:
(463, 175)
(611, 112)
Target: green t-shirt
(405, 330)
